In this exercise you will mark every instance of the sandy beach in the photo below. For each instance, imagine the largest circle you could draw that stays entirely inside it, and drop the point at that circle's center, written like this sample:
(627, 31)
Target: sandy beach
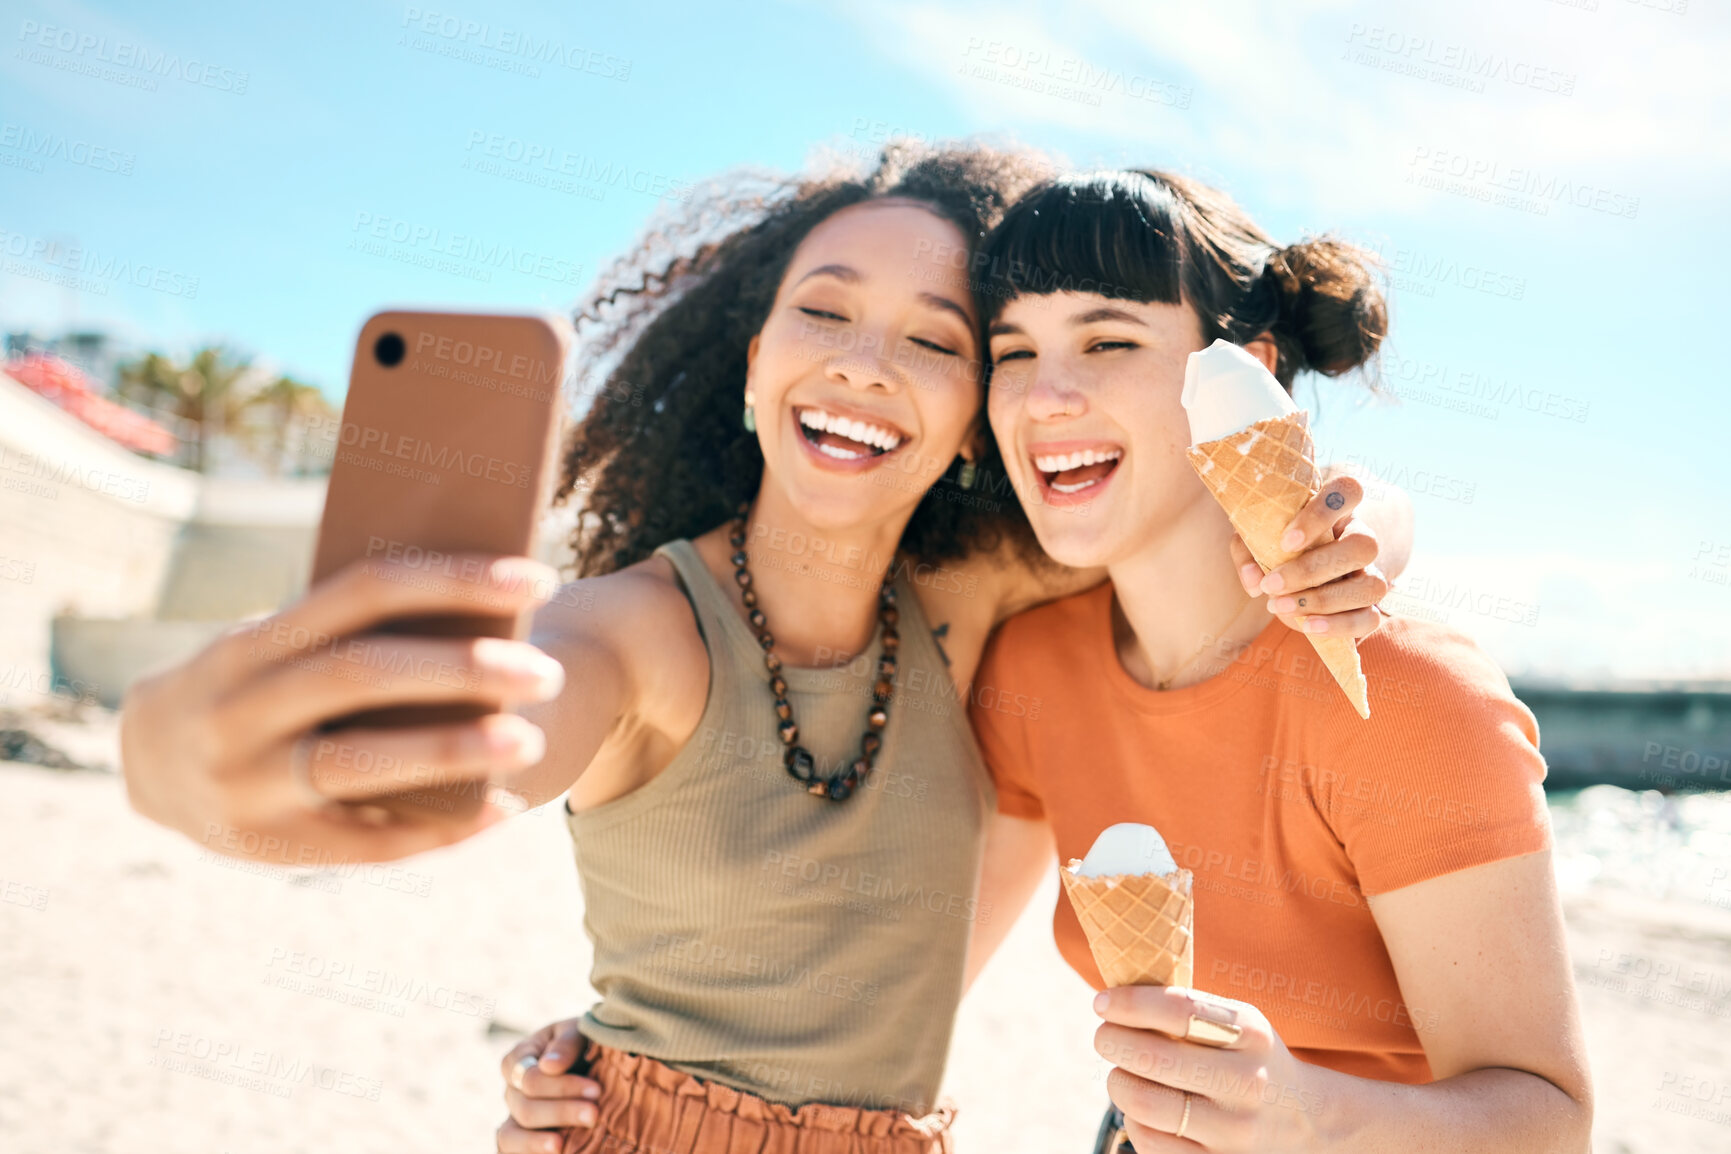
(158, 997)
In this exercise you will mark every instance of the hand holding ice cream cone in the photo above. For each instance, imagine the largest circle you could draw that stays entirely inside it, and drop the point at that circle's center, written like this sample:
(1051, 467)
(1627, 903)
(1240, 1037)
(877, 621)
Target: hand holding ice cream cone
(1251, 446)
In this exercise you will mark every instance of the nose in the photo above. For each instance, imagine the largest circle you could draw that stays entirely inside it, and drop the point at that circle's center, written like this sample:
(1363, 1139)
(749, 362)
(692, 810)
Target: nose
(1050, 398)
(864, 366)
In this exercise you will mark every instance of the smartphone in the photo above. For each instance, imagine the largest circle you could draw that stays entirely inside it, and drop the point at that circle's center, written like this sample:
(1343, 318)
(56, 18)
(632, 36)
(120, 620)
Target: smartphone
(448, 444)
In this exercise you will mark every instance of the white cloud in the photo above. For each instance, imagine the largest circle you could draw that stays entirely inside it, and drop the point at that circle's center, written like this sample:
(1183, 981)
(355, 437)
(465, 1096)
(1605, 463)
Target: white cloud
(1319, 93)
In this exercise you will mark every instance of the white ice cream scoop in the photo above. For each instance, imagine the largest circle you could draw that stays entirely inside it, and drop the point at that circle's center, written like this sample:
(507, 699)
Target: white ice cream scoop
(1227, 390)
(1128, 848)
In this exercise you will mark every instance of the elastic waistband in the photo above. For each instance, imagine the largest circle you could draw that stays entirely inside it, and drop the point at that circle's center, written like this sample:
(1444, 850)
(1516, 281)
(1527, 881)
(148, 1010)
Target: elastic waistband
(648, 1107)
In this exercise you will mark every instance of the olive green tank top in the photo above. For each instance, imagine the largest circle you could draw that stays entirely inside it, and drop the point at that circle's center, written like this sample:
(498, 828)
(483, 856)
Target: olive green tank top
(751, 934)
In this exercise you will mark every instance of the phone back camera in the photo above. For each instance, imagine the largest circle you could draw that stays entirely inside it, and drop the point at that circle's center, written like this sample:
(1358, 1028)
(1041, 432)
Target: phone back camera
(389, 350)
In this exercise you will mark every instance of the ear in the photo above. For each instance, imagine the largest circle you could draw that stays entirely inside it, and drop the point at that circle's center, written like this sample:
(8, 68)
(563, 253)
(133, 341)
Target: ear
(751, 356)
(1265, 350)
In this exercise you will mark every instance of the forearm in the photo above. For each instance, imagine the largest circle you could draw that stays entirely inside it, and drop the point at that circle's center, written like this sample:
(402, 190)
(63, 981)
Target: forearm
(1482, 1111)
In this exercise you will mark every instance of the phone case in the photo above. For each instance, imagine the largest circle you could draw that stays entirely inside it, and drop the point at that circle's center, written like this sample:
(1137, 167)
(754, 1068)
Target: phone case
(448, 444)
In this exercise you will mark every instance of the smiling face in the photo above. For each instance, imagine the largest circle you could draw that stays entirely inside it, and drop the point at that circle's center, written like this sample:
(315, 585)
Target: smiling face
(865, 377)
(1085, 404)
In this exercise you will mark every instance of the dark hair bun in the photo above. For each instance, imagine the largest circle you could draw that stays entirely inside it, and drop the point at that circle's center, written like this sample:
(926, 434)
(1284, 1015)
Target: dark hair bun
(1333, 311)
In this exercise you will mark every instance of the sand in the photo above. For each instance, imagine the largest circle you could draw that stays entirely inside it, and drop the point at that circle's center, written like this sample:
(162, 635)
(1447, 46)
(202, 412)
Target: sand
(158, 998)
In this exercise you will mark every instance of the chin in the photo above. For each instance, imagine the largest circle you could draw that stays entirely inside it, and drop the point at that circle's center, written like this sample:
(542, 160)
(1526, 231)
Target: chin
(1073, 540)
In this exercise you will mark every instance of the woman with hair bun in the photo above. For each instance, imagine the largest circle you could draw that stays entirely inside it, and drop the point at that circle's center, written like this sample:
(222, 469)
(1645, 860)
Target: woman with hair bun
(792, 553)
(1376, 919)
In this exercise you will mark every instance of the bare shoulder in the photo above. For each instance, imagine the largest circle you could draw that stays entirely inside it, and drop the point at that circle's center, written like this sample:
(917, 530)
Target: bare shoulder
(606, 618)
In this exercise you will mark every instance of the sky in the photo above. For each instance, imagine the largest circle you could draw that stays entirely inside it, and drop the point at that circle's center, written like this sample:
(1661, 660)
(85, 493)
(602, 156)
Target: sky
(1546, 182)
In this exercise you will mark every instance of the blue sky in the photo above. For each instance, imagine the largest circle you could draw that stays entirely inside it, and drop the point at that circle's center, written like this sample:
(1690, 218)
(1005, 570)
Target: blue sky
(1545, 179)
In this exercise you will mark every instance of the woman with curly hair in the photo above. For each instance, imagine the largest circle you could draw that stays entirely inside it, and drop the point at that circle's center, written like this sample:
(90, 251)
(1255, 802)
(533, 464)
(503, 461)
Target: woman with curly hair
(790, 566)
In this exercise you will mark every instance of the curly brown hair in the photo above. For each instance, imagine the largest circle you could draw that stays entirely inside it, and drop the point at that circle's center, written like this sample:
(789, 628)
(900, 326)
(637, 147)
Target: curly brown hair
(661, 453)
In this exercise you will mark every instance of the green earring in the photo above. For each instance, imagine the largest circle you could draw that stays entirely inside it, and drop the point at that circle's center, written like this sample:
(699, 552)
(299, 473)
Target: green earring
(965, 477)
(750, 419)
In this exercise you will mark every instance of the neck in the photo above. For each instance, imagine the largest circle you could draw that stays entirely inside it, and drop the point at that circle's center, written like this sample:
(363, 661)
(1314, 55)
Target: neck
(1181, 612)
(817, 586)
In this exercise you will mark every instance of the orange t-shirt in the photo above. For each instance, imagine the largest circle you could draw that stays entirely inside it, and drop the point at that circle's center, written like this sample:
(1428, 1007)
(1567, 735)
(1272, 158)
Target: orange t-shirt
(1284, 803)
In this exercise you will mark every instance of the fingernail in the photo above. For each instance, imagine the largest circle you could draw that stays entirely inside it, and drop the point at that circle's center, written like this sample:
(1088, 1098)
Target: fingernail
(1292, 539)
(592, 1091)
(1100, 1002)
(551, 1145)
(1283, 605)
(1316, 625)
(1273, 583)
(1251, 575)
(586, 1116)
(549, 1057)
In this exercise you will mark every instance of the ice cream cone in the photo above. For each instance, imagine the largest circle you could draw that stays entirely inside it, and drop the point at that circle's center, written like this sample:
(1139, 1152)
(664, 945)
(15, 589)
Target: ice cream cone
(1138, 925)
(1262, 476)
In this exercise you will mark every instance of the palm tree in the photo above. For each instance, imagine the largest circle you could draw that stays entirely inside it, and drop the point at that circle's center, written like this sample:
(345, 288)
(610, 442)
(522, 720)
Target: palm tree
(201, 393)
(289, 403)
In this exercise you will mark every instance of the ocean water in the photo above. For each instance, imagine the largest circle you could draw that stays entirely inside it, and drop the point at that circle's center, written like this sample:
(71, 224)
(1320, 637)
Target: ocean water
(1667, 847)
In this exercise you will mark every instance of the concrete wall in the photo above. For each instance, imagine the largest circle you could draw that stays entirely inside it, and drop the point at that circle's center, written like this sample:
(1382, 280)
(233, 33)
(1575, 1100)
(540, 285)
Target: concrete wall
(86, 528)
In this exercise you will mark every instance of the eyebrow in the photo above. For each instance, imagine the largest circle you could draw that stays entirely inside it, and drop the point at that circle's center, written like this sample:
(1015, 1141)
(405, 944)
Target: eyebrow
(847, 274)
(1092, 316)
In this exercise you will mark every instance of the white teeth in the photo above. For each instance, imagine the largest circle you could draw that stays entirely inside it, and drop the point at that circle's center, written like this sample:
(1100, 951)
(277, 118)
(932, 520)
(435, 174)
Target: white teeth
(1077, 488)
(838, 453)
(873, 435)
(1058, 464)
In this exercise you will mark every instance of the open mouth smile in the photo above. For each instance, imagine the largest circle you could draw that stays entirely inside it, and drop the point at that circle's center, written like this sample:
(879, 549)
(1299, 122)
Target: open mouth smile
(1075, 473)
(847, 439)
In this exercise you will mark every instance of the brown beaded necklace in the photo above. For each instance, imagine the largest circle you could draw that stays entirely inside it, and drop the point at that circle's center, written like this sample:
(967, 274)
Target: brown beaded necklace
(840, 785)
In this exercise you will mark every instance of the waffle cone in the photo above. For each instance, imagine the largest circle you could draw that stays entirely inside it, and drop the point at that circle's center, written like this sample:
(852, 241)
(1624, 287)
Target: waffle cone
(1262, 477)
(1138, 925)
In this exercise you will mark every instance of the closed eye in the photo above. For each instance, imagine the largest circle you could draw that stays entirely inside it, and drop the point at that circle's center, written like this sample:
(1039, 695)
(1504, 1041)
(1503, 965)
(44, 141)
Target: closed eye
(934, 346)
(1103, 346)
(822, 314)
(1014, 355)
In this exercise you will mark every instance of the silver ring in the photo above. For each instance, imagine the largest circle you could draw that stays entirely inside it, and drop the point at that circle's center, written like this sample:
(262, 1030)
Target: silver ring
(301, 769)
(527, 1061)
(1184, 1118)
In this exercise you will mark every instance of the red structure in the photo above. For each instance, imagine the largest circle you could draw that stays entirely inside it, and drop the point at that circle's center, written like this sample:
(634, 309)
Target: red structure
(68, 387)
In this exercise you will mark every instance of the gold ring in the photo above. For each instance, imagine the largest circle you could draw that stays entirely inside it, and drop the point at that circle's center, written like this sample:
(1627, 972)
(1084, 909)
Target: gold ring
(1212, 1024)
(1184, 1118)
(301, 769)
